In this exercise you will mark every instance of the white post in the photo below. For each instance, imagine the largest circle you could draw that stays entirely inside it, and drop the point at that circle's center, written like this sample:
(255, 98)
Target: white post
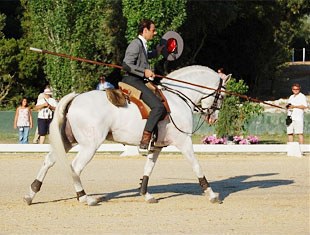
(303, 54)
(130, 151)
(293, 149)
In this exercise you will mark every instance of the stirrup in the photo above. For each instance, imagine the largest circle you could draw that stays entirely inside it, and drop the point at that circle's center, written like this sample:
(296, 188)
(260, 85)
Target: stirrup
(160, 144)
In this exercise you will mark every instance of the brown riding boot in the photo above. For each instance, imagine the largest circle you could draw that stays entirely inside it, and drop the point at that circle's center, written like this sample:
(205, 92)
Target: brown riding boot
(145, 141)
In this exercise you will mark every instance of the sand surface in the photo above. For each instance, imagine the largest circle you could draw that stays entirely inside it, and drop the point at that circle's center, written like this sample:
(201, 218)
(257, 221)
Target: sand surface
(262, 194)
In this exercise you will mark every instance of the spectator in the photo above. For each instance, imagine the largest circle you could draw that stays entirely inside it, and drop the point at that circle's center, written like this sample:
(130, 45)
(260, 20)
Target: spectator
(45, 106)
(23, 121)
(36, 133)
(297, 103)
(103, 84)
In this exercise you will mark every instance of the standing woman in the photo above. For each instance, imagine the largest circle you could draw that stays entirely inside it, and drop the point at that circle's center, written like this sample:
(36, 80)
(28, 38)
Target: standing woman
(23, 121)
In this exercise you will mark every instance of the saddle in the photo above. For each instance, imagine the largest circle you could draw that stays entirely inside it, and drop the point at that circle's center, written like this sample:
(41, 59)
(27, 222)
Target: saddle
(125, 92)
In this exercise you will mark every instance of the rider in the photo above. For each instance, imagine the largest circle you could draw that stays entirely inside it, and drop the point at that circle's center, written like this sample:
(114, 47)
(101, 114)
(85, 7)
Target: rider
(138, 71)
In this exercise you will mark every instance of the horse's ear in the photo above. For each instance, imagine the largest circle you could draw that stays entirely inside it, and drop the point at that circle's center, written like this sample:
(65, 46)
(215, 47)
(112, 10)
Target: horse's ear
(228, 77)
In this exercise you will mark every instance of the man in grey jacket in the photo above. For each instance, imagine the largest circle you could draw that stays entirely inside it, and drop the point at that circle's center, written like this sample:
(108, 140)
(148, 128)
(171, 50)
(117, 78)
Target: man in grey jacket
(138, 71)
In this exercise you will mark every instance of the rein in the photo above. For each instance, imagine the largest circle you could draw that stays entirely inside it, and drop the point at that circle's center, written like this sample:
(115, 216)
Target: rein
(197, 108)
(156, 75)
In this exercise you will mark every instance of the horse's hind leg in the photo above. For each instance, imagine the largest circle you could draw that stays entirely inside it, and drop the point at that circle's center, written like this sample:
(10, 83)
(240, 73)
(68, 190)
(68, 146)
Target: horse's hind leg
(78, 164)
(148, 168)
(49, 161)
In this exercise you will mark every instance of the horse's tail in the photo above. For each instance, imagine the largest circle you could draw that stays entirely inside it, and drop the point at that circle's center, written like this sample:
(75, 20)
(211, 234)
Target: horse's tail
(56, 134)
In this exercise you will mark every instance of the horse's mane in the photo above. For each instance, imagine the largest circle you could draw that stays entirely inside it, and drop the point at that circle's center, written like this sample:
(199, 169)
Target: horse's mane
(189, 69)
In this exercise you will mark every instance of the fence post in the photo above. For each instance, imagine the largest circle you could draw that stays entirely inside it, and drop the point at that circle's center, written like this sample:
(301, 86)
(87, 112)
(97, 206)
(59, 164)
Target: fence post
(293, 52)
(303, 54)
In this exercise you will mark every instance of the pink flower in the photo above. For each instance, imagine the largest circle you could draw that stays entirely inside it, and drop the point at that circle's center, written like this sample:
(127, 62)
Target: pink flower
(213, 140)
(236, 139)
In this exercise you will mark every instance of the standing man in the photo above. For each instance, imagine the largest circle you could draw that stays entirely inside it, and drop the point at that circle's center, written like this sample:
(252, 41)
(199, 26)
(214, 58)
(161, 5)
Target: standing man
(138, 71)
(297, 103)
(46, 105)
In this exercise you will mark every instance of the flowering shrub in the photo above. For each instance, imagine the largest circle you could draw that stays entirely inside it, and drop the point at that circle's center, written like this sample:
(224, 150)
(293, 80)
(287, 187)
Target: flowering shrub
(213, 140)
(248, 140)
(236, 140)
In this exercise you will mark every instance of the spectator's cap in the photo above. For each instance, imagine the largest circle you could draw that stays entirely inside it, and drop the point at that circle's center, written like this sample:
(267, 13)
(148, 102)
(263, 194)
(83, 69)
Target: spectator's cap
(174, 45)
(48, 91)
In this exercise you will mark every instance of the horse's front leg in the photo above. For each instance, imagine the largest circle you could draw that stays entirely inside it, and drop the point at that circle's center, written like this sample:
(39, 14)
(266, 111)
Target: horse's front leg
(188, 151)
(148, 168)
(35, 187)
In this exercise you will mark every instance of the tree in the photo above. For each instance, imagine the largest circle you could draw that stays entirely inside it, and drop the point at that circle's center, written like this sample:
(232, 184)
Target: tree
(79, 28)
(8, 61)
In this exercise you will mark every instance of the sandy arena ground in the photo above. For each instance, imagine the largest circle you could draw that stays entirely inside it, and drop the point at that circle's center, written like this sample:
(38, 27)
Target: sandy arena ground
(262, 194)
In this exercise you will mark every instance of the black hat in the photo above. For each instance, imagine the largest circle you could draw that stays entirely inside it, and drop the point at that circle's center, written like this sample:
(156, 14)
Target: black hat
(174, 45)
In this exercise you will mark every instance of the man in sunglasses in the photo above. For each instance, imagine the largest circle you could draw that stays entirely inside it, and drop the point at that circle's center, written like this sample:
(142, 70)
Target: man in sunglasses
(297, 103)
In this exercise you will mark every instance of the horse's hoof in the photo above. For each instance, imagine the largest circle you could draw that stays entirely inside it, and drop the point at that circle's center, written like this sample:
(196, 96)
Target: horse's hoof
(216, 200)
(152, 200)
(92, 201)
(27, 199)
(149, 198)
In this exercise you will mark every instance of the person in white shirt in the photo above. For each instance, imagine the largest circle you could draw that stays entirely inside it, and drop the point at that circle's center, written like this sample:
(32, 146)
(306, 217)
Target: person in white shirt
(46, 105)
(296, 105)
(103, 84)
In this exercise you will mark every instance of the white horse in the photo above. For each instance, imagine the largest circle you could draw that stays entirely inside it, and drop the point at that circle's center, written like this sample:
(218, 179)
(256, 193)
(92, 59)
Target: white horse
(92, 118)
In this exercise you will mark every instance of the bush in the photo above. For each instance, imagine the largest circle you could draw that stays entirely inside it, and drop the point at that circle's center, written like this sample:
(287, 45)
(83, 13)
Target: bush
(235, 112)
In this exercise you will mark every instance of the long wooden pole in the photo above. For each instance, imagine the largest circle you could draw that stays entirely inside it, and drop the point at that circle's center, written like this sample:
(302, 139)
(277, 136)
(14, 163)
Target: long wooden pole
(156, 75)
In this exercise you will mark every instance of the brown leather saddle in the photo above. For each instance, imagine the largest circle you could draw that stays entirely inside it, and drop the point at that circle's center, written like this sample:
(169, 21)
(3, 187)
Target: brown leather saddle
(125, 92)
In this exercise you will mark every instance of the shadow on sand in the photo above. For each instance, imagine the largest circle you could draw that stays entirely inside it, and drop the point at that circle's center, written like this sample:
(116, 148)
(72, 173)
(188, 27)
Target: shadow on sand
(225, 187)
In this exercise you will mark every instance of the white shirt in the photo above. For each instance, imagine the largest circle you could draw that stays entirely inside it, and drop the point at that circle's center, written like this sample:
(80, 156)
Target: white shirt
(46, 113)
(103, 86)
(143, 42)
(296, 113)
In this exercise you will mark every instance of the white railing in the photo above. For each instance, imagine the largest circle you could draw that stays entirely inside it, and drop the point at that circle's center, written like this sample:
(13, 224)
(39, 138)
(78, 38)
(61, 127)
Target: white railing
(289, 148)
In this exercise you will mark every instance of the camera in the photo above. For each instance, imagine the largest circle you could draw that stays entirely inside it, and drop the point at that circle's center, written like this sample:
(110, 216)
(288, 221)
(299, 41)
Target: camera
(288, 120)
(288, 105)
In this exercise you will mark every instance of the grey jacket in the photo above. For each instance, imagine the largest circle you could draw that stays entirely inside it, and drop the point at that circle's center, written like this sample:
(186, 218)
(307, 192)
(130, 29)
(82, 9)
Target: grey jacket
(136, 59)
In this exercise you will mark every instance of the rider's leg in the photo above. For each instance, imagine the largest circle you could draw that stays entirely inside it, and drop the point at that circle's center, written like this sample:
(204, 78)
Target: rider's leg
(158, 110)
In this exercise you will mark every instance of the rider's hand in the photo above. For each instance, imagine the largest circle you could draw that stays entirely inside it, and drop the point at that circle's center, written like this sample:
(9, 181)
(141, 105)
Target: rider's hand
(149, 74)
(159, 49)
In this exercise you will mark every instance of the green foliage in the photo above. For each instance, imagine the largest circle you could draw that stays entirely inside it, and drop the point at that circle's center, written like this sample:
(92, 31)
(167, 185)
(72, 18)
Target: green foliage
(78, 28)
(167, 15)
(8, 66)
(235, 113)
(2, 24)
(250, 39)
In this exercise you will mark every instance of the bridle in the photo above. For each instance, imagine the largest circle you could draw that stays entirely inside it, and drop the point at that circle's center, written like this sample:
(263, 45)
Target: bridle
(204, 112)
(217, 97)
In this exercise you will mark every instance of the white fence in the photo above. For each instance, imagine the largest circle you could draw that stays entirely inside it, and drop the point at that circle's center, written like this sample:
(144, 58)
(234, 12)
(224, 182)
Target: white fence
(291, 148)
(303, 50)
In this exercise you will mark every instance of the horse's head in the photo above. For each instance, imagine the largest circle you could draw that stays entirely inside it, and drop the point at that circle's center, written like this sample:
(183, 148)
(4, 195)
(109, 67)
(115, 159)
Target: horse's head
(211, 103)
(200, 87)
